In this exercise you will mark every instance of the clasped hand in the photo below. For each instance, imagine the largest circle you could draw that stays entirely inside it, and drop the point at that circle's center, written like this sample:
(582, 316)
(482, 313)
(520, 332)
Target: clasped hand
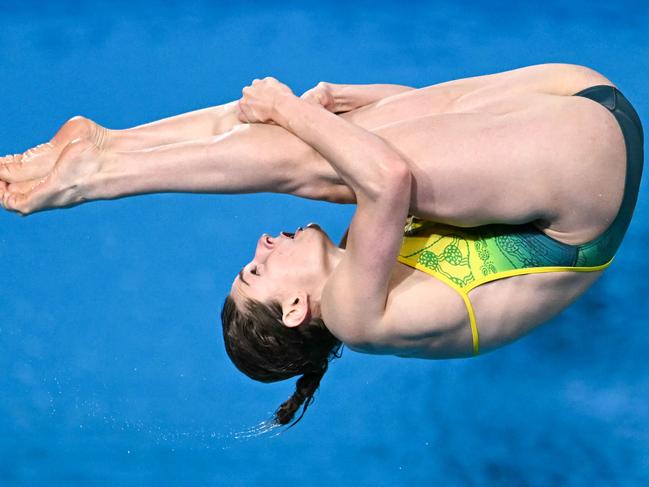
(259, 101)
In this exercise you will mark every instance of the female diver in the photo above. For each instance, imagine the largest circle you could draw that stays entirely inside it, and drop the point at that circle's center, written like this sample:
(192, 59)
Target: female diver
(485, 206)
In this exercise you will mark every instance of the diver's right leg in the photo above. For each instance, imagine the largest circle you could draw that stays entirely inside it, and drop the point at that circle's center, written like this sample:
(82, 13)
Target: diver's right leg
(250, 158)
(39, 161)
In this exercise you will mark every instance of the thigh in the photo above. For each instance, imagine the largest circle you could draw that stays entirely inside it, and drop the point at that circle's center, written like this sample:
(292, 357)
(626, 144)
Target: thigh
(476, 168)
(495, 93)
(481, 167)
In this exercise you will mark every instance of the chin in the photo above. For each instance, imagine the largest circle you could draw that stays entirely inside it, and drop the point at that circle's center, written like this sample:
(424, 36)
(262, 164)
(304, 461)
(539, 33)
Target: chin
(318, 228)
(326, 240)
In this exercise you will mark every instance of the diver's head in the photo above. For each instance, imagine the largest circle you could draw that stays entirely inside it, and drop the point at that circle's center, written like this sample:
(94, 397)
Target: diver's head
(272, 325)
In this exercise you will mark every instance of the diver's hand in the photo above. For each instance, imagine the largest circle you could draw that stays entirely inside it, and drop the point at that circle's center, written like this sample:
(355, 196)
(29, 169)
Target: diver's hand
(322, 94)
(62, 187)
(259, 101)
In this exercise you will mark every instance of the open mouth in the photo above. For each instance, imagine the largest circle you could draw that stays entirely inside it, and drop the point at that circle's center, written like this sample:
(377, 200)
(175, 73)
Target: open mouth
(292, 235)
(288, 234)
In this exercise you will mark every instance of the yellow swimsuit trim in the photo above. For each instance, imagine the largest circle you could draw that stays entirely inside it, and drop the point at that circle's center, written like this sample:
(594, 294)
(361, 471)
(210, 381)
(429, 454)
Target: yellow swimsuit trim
(464, 291)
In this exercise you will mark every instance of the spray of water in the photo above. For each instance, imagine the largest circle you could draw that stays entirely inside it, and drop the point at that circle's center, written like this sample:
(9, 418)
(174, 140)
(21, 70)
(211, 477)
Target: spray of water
(265, 428)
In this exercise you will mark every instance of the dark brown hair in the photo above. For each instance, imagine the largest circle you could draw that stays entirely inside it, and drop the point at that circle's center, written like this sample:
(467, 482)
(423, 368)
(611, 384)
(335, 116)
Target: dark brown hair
(263, 348)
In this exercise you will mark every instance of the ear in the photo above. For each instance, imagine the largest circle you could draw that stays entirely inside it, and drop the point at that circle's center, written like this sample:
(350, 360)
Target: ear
(296, 309)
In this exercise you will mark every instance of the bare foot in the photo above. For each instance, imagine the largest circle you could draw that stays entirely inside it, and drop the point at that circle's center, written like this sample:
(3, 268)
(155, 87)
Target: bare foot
(63, 186)
(38, 161)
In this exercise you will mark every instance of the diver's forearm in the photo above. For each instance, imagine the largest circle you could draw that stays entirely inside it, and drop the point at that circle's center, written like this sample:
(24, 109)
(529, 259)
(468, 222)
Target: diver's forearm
(362, 159)
(197, 124)
(248, 159)
(350, 97)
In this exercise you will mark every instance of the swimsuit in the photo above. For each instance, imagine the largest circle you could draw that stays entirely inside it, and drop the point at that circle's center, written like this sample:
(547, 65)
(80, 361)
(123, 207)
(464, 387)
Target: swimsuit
(465, 258)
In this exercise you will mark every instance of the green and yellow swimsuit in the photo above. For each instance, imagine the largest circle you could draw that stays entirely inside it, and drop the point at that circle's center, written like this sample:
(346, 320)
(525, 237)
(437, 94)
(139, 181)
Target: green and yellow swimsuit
(465, 258)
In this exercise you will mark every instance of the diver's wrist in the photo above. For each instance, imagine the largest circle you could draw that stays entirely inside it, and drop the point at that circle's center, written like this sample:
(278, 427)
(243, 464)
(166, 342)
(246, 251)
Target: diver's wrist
(283, 108)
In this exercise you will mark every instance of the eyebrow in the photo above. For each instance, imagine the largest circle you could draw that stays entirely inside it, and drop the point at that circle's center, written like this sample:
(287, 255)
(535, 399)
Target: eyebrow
(241, 277)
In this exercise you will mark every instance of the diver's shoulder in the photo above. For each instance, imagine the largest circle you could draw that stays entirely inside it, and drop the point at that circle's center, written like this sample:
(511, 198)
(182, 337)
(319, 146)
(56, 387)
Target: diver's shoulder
(423, 318)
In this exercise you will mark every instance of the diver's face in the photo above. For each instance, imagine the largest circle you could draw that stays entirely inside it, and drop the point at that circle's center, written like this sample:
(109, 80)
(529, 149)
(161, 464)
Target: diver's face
(285, 264)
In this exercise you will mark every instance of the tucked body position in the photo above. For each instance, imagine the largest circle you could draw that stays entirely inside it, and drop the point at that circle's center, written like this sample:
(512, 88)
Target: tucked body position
(484, 207)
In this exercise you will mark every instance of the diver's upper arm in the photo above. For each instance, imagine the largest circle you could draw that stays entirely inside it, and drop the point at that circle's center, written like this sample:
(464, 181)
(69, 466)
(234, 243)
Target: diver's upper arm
(354, 298)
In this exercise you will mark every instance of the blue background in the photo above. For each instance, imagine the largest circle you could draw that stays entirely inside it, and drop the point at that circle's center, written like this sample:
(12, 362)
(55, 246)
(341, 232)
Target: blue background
(112, 366)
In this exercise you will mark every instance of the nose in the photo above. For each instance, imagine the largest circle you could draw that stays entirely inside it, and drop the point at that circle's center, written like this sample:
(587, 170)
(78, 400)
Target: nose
(267, 241)
(265, 245)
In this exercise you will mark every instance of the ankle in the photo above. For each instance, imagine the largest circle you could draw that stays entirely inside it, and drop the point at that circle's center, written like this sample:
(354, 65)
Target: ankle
(103, 137)
(80, 127)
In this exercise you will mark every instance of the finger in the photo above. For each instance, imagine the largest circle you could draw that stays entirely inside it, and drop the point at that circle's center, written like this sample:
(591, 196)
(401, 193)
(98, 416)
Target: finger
(319, 99)
(312, 97)
(243, 114)
(251, 114)
(270, 79)
(308, 97)
(240, 115)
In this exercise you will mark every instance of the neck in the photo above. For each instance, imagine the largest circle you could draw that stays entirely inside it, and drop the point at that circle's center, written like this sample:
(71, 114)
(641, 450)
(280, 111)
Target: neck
(335, 255)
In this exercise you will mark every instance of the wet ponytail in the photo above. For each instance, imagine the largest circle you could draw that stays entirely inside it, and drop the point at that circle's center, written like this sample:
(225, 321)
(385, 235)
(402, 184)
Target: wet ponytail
(305, 389)
(263, 348)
